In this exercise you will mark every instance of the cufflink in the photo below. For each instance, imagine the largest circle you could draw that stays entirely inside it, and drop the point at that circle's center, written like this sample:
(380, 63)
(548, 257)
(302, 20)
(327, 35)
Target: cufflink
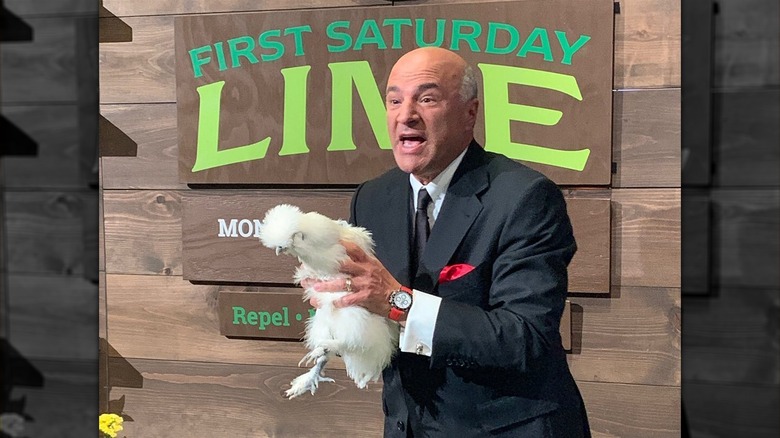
(418, 348)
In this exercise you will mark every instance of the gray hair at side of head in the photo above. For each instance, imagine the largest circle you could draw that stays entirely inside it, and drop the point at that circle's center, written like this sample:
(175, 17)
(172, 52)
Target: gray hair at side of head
(468, 85)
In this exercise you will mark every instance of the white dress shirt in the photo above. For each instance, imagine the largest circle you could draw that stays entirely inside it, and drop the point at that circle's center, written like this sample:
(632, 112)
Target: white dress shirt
(417, 331)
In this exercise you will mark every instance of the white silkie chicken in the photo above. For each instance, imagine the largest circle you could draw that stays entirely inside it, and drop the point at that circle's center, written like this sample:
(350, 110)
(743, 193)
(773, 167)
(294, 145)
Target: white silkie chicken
(365, 341)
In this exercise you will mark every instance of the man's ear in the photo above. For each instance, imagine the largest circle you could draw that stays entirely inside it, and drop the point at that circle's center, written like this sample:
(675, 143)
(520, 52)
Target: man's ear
(472, 108)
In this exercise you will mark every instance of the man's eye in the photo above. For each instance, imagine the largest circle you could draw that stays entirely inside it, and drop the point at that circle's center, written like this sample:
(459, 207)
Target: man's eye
(426, 99)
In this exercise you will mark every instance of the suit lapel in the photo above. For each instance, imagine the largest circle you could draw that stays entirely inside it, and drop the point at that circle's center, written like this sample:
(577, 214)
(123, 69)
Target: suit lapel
(392, 236)
(460, 209)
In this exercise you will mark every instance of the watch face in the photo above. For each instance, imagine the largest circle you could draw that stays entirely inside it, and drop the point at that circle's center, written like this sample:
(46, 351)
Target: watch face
(402, 300)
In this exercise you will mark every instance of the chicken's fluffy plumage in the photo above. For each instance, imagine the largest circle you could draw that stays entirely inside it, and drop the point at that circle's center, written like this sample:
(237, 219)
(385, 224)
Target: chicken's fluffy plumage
(365, 341)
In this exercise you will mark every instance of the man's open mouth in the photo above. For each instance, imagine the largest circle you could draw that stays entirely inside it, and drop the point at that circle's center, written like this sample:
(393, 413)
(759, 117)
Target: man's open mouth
(411, 141)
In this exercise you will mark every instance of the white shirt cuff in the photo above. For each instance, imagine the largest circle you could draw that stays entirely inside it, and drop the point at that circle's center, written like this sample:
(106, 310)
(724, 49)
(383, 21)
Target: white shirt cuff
(417, 335)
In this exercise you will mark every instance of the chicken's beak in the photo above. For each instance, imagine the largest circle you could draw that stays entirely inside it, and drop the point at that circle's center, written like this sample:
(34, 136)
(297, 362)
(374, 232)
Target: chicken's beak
(279, 250)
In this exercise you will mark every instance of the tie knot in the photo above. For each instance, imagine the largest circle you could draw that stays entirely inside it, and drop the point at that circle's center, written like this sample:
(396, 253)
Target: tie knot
(423, 199)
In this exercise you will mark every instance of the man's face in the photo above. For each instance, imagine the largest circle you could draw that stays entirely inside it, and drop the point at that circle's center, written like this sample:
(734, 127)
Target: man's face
(429, 123)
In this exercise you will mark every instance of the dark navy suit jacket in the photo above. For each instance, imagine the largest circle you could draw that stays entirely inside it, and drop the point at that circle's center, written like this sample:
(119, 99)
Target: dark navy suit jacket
(498, 367)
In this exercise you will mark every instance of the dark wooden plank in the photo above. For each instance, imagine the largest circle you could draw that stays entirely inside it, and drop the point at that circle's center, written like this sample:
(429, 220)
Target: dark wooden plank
(732, 337)
(209, 256)
(55, 130)
(732, 410)
(747, 133)
(67, 399)
(320, 165)
(44, 69)
(747, 44)
(122, 8)
(617, 410)
(647, 52)
(646, 138)
(45, 230)
(646, 237)
(142, 232)
(747, 229)
(244, 400)
(632, 336)
(53, 317)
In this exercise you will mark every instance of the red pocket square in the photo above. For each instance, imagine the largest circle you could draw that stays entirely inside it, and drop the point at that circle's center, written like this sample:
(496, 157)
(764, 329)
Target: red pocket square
(453, 272)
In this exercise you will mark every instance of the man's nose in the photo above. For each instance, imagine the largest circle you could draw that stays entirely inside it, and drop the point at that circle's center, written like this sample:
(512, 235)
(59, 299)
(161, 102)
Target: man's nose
(407, 114)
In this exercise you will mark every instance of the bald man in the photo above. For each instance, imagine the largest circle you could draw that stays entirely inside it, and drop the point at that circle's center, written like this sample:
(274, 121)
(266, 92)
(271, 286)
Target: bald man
(481, 301)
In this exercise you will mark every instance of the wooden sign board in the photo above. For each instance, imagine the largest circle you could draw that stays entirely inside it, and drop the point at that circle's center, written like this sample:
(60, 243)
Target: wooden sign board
(298, 96)
(220, 243)
(283, 315)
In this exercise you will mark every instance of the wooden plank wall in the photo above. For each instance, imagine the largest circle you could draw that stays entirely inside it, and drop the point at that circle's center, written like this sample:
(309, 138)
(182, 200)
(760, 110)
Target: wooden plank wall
(164, 356)
(50, 205)
(732, 357)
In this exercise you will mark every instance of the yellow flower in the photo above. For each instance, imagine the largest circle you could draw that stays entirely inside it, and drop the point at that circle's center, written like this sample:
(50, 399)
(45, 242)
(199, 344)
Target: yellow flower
(110, 424)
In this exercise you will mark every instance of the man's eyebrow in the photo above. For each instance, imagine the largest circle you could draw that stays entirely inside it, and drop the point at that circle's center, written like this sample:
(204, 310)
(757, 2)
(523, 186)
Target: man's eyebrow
(422, 87)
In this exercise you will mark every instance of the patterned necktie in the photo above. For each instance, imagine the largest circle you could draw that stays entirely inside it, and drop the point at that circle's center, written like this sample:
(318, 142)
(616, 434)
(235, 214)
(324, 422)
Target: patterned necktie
(421, 227)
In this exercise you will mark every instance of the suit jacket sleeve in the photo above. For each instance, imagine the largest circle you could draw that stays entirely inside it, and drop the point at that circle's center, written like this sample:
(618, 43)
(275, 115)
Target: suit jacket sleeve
(526, 292)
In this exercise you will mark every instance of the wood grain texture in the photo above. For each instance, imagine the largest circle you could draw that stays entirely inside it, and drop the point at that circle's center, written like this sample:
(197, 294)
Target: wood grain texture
(44, 69)
(66, 399)
(166, 317)
(53, 317)
(646, 237)
(647, 52)
(102, 312)
(633, 336)
(142, 232)
(747, 44)
(55, 130)
(122, 8)
(732, 337)
(646, 138)
(746, 135)
(243, 400)
(732, 410)
(153, 129)
(616, 410)
(630, 338)
(747, 228)
(647, 44)
(246, 400)
(101, 235)
(45, 230)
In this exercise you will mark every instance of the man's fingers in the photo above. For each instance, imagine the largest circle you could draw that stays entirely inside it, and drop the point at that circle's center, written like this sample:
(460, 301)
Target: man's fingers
(354, 252)
(336, 285)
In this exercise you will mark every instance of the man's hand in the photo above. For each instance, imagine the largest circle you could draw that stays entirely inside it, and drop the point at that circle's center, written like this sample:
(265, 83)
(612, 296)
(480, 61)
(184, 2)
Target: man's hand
(371, 282)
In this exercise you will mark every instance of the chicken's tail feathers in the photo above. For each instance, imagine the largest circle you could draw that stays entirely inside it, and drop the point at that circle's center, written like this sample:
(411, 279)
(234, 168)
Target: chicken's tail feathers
(358, 235)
